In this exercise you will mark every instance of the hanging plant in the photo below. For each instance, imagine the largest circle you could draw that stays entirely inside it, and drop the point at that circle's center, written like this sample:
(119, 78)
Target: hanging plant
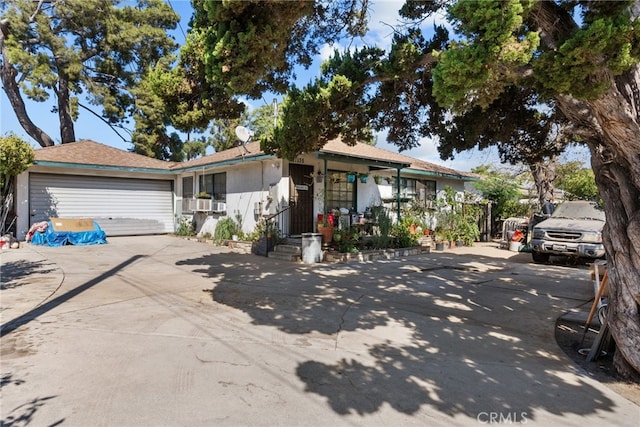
(351, 177)
(363, 177)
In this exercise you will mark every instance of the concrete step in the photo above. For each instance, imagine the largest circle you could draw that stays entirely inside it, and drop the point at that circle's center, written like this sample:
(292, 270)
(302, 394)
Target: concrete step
(288, 249)
(284, 256)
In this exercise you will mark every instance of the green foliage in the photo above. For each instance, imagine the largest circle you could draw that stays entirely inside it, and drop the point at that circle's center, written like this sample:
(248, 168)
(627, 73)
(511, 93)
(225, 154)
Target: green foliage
(226, 228)
(499, 187)
(347, 241)
(253, 46)
(577, 181)
(186, 227)
(496, 44)
(298, 127)
(457, 220)
(382, 233)
(402, 237)
(16, 156)
(267, 228)
(97, 48)
(608, 42)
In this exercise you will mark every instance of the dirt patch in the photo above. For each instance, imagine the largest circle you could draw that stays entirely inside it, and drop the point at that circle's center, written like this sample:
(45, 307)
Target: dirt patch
(568, 336)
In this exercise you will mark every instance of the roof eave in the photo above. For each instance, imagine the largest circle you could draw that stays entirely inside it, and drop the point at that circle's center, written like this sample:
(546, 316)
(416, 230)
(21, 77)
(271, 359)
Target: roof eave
(361, 160)
(178, 169)
(100, 167)
(440, 174)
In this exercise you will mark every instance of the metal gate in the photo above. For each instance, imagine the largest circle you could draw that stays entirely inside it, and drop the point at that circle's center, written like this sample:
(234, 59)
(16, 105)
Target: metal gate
(301, 199)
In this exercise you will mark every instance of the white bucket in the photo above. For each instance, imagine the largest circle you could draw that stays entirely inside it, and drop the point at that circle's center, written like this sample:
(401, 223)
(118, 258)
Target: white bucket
(515, 246)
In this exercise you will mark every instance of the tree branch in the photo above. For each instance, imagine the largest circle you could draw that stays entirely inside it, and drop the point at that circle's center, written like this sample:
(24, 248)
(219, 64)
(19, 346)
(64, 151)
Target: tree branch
(8, 76)
(106, 122)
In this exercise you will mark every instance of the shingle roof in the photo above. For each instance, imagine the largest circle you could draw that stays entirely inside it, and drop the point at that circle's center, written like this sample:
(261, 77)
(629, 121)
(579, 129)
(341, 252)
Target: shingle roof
(252, 150)
(89, 152)
(93, 153)
(371, 152)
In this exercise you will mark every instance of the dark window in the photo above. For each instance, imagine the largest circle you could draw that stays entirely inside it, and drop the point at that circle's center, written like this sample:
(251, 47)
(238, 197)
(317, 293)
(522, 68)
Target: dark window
(414, 189)
(214, 184)
(407, 188)
(187, 192)
(340, 192)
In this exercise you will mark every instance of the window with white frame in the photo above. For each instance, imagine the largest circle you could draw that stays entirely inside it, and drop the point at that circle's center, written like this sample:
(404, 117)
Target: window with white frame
(187, 192)
(416, 190)
(214, 184)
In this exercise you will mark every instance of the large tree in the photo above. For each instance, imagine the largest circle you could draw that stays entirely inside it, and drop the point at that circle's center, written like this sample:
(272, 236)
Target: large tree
(580, 56)
(590, 68)
(86, 53)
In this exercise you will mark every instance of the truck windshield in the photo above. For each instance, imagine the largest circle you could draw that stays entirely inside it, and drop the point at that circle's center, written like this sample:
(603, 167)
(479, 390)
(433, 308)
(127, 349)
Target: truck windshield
(579, 210)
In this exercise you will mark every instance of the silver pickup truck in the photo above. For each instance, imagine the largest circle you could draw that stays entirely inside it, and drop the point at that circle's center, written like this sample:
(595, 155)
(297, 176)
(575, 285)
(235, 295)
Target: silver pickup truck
(574, 229)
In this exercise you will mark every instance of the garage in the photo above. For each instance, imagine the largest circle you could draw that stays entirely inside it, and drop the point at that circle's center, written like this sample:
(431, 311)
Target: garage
(121, 206)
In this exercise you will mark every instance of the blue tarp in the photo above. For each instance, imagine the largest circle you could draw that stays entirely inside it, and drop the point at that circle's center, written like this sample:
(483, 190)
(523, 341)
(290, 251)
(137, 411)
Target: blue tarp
(50, 237)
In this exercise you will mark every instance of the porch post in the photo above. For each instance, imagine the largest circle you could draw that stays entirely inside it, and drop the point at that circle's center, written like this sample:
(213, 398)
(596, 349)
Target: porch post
(324, 192)
(398, 192)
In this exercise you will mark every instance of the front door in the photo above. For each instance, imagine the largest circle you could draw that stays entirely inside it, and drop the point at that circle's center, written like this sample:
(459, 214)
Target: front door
(301, 200)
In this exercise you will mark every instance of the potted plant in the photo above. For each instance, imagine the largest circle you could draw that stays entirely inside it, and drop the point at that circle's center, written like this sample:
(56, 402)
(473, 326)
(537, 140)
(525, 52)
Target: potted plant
(325, 227)
(363, 177)
(203, 195)
(377, 179)
(351, 177)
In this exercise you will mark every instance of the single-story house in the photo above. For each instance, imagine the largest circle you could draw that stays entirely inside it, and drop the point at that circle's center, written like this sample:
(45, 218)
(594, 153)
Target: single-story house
(131, 194)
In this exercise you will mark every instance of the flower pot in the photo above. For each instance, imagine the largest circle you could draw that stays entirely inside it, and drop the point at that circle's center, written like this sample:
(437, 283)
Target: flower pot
(327, 233)
(351, 177)
(363, 179)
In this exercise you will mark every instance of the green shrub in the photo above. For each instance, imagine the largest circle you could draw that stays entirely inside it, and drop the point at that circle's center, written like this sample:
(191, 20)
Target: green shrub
(226, 228)
(402, 237)
(186, 227)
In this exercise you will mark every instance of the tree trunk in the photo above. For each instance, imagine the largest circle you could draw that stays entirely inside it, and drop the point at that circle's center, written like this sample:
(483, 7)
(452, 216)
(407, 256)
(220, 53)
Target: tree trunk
(543, 175)
(616, 164)
(8, 75)
(612, 130)
(67, 132)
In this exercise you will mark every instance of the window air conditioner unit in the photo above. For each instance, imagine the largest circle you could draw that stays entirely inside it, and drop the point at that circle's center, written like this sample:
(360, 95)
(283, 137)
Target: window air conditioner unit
(218, 207)
(200, 205)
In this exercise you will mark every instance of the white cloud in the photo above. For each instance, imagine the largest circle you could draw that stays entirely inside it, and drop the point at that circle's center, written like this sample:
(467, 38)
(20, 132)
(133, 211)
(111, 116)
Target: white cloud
(428, 151)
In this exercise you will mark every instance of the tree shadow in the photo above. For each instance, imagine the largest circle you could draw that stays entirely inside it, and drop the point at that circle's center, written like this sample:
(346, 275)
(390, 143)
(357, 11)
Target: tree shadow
(23, 414)
(441, 331)
(16, 273)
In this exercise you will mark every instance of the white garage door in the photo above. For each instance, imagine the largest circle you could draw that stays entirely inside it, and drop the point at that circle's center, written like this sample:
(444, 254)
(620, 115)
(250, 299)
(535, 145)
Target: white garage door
(121, 206)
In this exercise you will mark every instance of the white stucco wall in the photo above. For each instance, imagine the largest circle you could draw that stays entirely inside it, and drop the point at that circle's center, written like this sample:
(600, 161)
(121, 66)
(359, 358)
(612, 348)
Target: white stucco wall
(252, 188)
(22, 205)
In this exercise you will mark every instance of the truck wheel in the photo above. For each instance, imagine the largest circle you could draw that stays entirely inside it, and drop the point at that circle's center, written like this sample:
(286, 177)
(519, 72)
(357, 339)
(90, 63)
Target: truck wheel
(539, 257)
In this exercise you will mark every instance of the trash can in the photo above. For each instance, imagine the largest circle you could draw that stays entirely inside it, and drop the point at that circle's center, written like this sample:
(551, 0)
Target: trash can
(311, 247)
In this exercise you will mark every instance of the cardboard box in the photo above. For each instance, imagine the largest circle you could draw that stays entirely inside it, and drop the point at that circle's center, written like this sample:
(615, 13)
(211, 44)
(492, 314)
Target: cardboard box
(72, 224)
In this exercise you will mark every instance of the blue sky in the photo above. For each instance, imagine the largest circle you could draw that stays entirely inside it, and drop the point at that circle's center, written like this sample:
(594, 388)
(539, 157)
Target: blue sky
(383, 14)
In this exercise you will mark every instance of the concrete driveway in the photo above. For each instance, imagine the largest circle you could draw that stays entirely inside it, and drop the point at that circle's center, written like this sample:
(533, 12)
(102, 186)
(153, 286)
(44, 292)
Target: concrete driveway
(161, 331)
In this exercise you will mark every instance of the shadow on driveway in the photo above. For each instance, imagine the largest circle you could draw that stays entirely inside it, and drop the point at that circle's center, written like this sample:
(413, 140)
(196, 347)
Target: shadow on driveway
(464, 339)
